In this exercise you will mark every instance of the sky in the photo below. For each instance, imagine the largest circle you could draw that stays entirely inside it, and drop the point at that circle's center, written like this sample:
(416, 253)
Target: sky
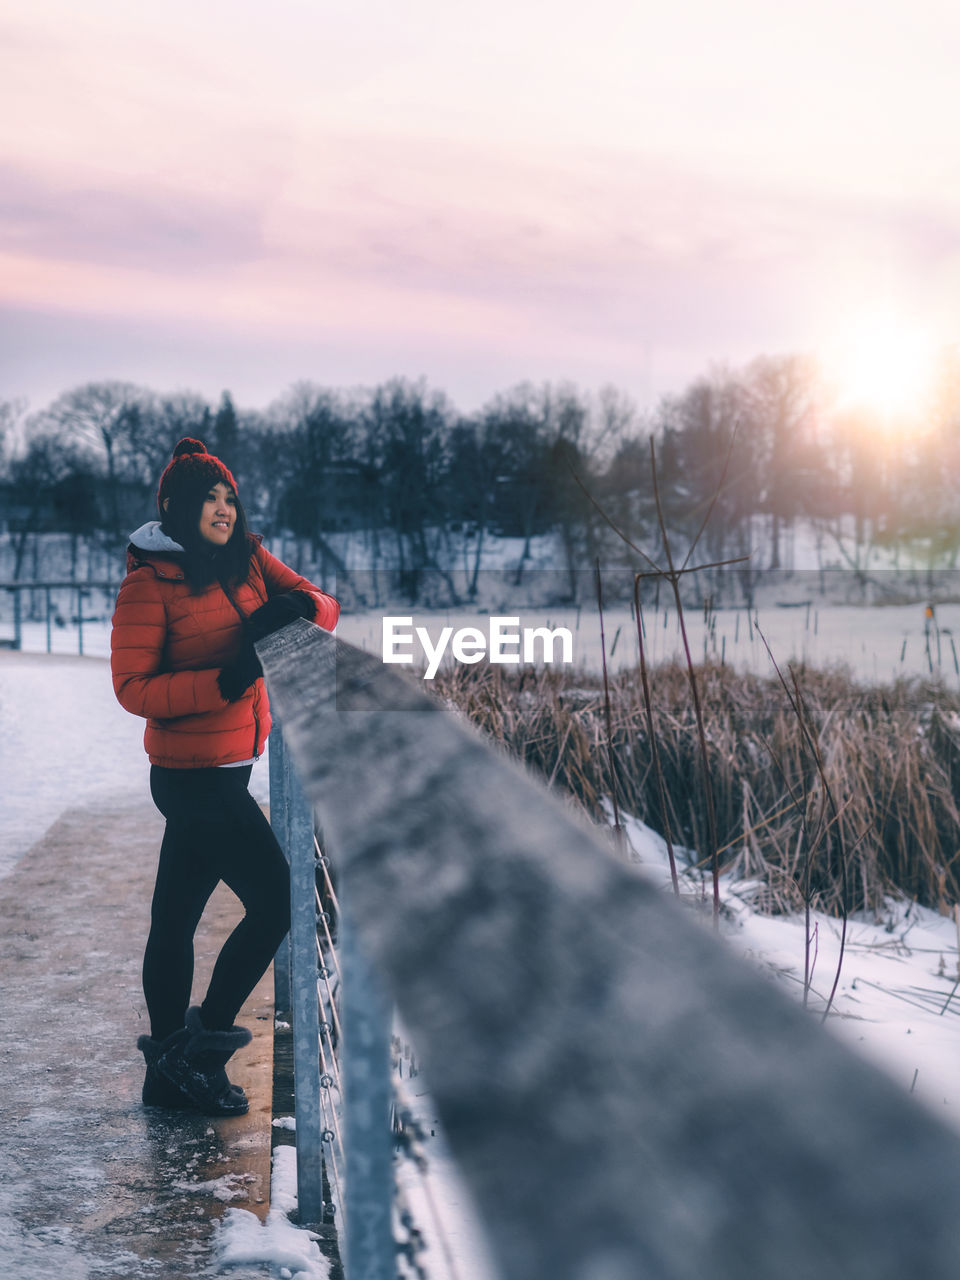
(221, 194)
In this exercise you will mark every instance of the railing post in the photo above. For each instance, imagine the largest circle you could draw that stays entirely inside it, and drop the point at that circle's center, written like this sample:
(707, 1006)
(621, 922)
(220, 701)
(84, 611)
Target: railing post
(370, 1250)
(305, 1005)
(279, 820)
(17, 621)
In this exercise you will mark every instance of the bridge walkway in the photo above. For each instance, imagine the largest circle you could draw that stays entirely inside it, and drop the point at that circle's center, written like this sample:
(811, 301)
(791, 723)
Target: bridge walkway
(92, 1184)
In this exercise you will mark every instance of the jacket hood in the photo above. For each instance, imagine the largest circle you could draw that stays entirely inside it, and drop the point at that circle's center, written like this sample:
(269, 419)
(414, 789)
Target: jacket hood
(150, 537)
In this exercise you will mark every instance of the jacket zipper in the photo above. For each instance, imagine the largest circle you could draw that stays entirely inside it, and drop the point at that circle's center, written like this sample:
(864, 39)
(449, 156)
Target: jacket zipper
(243, 621)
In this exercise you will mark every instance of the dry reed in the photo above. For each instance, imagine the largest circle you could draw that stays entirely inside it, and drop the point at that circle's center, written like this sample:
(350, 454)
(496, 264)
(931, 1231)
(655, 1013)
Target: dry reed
(890, 756)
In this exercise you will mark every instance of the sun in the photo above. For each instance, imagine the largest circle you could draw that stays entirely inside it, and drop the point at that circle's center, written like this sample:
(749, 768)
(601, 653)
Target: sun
(884, 367)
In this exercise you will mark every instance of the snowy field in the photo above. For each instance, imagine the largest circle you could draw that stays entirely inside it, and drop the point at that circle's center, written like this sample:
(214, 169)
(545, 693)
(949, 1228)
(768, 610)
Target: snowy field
(65, 742)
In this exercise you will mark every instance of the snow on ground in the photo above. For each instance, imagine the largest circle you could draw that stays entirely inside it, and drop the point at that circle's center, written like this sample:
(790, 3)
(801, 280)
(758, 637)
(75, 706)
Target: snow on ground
(897, 1001)
(455, 1248)
(242, 1239)
(65, 741)
(430, 1188)
(898, 998)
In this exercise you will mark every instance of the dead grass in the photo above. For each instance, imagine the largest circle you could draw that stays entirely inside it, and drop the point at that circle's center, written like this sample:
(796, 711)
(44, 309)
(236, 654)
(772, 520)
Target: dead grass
(891, 758)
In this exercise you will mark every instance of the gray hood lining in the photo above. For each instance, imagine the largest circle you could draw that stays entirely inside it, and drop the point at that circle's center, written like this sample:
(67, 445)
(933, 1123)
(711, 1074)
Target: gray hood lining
(150, 537)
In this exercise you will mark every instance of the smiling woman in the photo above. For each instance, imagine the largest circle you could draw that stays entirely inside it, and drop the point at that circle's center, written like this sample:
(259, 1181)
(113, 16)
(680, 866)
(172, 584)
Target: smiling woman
(200, 590)
(218, 515)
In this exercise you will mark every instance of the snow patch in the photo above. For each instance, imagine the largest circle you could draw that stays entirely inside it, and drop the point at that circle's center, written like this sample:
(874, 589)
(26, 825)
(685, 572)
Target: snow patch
(243, 1240)
(232, 1186)
(897, 999)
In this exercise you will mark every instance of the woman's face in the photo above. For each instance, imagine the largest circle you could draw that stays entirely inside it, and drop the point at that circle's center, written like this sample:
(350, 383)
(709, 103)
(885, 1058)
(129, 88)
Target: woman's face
(218, 515)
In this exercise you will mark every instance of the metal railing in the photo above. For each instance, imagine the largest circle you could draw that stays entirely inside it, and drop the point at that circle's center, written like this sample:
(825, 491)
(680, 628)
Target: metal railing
(624, 1096)
(323, 980)
(52, 614)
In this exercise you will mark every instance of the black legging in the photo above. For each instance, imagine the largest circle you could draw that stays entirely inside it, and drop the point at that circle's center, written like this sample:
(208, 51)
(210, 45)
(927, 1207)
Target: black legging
(215, 831)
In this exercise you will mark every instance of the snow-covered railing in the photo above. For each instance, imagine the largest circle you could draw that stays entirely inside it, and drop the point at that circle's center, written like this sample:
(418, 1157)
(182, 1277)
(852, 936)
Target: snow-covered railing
(624, 1096)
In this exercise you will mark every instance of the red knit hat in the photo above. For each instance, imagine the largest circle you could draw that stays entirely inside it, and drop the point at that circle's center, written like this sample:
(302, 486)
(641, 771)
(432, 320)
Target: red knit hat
(189, 474)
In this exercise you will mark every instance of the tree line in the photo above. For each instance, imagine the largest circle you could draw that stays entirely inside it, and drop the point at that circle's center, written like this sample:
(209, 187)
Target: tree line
(400, 465)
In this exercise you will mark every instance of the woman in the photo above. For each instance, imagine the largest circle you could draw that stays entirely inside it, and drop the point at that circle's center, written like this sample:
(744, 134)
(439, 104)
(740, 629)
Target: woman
(199, 590)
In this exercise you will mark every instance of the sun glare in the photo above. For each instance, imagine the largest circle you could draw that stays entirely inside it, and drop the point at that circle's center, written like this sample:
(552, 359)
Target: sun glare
(884, 368)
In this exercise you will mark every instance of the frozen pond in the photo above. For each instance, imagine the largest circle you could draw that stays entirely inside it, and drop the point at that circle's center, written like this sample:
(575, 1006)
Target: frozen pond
(878, 643)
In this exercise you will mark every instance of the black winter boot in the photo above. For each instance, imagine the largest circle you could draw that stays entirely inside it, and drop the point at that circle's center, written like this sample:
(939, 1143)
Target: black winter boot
(195, 1065)
(157, 1089)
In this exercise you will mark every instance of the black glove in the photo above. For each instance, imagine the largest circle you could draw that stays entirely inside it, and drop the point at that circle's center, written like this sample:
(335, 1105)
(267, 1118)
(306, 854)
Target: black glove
(279, 611)
(237, 676)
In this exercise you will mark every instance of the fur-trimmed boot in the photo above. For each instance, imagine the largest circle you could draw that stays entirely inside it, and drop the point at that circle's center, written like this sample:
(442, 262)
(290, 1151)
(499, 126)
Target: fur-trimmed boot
(157, 1089)
(195, 1065)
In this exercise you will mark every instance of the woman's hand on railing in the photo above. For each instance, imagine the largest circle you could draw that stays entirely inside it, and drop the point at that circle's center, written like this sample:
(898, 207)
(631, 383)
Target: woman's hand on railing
(278, 612)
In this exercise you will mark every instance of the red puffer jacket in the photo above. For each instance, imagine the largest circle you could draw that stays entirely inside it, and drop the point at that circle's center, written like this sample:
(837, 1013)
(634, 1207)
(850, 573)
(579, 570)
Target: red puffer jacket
(168, 646)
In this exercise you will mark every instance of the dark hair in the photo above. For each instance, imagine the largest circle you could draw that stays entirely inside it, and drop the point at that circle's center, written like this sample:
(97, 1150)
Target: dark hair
(204, 563)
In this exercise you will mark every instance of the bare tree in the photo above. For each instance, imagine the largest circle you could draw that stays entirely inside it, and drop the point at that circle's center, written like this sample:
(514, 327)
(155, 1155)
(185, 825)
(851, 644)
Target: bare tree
(711, 456)
(311, 436)
(470, 484)
(49, 465)
(105, 418)
(406, 429)
(539, 436)
(161, 422)
(783, 397)
(12, 413)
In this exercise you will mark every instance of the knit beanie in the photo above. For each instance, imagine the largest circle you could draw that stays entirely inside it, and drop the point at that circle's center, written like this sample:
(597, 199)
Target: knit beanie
(189, 476)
